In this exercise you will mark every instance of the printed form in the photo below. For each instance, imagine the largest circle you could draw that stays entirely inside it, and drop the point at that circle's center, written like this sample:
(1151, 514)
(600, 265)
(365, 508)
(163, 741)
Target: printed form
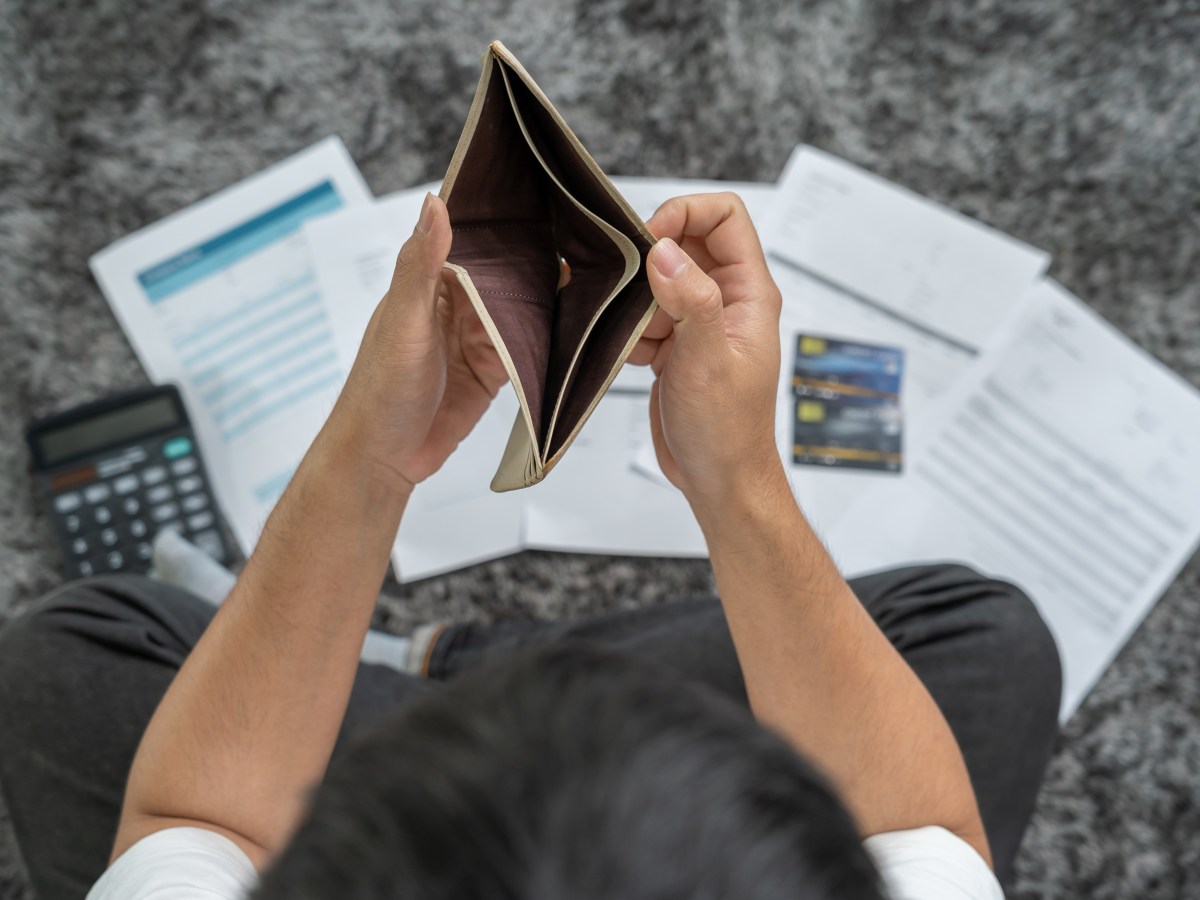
(1066, 461)
(222, 300)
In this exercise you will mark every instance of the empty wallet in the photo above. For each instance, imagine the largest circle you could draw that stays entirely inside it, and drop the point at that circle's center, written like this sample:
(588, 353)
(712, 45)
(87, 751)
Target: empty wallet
(524, 197)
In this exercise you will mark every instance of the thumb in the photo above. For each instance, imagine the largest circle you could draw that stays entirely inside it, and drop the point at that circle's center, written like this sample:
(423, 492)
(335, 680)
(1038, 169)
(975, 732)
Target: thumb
(418, 271)
(687, 294)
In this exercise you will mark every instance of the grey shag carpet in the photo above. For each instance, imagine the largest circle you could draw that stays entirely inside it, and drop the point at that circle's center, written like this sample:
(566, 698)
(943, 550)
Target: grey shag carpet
(1074, 126)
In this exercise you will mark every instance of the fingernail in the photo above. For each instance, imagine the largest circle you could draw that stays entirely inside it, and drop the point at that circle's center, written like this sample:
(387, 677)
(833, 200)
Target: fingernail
(426, 221)
(668, 258)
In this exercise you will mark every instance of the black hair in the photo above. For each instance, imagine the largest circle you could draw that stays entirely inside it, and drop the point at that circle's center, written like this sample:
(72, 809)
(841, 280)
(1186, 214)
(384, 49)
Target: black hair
(572, 773)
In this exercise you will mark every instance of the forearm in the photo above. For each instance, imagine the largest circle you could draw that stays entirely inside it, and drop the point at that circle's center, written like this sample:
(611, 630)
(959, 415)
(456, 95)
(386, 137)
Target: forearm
(248, 725)
(820, 672)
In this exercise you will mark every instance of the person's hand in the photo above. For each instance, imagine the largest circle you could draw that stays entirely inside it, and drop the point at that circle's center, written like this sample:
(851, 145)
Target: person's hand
(426, 370)
(714, 347)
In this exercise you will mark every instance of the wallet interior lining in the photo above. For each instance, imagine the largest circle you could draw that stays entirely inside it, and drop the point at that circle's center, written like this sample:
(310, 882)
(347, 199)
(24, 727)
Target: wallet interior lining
(504, 243)
(594, 281)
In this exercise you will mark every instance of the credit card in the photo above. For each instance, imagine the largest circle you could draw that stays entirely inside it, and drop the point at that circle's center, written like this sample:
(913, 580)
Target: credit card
(847, 412)
(824, 366)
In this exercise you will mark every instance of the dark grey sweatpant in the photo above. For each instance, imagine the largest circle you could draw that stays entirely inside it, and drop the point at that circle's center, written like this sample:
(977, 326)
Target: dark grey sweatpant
(83, 670)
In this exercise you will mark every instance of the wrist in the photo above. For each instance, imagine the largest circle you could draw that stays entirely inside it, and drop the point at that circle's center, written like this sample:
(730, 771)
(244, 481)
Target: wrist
(344, 453)
(742, 493)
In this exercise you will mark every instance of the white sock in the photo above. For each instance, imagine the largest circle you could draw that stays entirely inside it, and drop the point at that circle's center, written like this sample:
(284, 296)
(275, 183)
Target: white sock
(179, 562)
(389, 650)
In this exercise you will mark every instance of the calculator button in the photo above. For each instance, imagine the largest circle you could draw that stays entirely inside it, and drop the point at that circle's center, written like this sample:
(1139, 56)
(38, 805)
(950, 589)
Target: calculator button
(125, 484)
(115, 560)
(103, 515)
(189, 484)
(174, 525)
(154, 475)
(65, 503)
(96, 493)
(200, 520)
(72, 523)
(144, 550)
(137, 528)
(177, 447)
(185, 466)
(131, 506)
(79, 546)
(109, 537)
(210, 543)
(164, 512)
(159, 493)
(194, 502)
(86, 568)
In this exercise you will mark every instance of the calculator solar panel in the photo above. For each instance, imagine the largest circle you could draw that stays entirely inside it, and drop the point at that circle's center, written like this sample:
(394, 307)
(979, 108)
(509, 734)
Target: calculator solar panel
(118, 472)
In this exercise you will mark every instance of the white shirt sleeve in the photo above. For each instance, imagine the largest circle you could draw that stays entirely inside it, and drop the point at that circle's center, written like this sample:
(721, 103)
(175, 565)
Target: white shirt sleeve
(931, 864)
(178, 864)
(195, 864)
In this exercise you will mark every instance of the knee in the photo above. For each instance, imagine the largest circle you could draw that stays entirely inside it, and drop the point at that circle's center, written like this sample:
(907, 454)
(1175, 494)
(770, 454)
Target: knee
(999, 621)
(88, 609)
(48, 613)
(1022, 642)
(43, 622)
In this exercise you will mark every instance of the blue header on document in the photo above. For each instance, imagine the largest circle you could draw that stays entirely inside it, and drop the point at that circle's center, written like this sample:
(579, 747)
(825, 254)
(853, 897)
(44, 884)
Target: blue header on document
(186, 268)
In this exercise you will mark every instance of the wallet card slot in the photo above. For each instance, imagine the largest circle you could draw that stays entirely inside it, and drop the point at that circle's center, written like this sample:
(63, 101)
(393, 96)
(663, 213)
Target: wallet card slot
(611, 340)
(586, 241)
(516, 279)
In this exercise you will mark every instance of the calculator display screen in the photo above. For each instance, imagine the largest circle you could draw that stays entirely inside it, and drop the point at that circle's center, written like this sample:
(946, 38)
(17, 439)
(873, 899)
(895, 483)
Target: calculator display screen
(107, 429)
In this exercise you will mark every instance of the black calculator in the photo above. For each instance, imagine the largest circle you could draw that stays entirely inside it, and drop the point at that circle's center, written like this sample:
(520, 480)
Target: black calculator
(119, 471)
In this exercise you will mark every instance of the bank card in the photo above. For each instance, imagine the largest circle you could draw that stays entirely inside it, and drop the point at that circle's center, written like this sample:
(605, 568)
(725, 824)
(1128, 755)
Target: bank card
(837, 366)
(846, 409)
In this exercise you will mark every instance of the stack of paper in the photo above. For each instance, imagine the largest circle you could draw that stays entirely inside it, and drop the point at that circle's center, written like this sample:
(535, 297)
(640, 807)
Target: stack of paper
(1038, 444)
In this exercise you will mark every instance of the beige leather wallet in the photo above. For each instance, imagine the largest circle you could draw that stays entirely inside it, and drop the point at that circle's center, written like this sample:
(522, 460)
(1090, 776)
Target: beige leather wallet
(524, 196)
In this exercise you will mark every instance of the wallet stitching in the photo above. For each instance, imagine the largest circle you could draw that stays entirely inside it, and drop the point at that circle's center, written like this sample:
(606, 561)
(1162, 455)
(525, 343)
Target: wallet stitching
(490, 227)
(512, 294)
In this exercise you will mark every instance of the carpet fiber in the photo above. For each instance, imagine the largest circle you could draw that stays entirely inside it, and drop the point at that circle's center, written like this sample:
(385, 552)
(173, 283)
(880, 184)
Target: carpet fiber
(1075, 127)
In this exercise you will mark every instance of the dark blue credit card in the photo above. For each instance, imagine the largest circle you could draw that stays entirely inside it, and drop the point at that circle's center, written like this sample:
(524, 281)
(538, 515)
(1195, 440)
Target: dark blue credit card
(825, 366)
(847, 410)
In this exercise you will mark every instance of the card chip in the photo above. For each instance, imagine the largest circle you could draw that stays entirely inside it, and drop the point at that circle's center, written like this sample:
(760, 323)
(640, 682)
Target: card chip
(810, 411)
(811, 346)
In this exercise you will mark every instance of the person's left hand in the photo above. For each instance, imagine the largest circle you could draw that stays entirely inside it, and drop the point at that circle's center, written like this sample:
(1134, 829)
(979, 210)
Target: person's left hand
(426, 370)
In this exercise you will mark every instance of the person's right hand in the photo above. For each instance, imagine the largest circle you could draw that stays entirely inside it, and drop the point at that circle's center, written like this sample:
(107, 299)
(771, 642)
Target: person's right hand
(714, 347)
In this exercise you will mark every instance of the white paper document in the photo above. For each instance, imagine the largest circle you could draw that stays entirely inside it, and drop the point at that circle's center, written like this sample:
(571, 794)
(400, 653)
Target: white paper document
(222, 300)
(929, 265)
(1066, 461)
